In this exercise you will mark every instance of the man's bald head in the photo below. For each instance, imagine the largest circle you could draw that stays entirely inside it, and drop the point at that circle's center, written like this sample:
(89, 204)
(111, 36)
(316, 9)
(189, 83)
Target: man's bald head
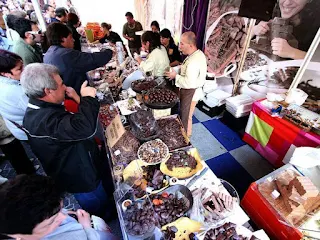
(190, 38)
(188, 43)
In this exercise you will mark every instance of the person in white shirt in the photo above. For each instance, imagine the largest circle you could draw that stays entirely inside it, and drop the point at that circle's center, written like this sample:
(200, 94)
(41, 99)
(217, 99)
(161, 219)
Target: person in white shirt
(191, 78)
(157, 61)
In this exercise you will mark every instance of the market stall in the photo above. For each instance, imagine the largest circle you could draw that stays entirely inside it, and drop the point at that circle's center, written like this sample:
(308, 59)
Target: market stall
(162, 186)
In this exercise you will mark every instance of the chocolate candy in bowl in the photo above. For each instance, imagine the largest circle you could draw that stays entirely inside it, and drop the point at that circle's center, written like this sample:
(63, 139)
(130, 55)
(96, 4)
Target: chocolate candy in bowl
(172, 203)
(143, 85)
(139, 220)
(153, 152)
(160, 98)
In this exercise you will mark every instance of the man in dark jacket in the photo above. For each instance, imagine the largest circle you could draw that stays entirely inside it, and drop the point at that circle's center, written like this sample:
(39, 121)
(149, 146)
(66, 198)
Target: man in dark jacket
(72, 64)
(63, 141)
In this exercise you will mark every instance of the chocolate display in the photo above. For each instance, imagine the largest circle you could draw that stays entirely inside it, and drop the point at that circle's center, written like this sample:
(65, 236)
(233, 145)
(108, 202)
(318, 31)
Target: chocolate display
(139, 219)
(125, 150)
(107, 114)
(139, 186)
(143, 85)
(218, 204)
(153, 176)
(161, 96)
(143, 124)
(181, 159)
(168, 207)
(170, 132)
(225, 232)
(298, 200)
(170, 233)
(153, 152)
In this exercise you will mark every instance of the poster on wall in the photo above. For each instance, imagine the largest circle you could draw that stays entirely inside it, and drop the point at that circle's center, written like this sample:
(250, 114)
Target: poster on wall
(278, 47)
(225, 36)
(310, 82)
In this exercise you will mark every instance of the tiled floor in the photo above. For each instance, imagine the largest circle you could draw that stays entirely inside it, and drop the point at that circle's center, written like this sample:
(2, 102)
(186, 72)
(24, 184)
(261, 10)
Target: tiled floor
(226, 154)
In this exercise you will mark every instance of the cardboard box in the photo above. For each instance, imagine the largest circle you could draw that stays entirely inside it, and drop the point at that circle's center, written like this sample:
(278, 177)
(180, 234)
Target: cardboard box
(114, 131)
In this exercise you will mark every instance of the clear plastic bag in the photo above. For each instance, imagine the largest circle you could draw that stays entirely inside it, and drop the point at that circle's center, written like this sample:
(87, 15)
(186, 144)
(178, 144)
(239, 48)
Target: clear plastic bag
(144, 125)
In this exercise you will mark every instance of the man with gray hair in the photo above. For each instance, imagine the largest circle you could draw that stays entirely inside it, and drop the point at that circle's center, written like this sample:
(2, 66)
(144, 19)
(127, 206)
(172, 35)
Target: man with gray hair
(63, 141)
(191, 78)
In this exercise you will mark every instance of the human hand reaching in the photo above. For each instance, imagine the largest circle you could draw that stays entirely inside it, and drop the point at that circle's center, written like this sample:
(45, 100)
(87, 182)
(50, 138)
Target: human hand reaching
(171, 74)
(87, 91)
(84, 218)
(261, 29)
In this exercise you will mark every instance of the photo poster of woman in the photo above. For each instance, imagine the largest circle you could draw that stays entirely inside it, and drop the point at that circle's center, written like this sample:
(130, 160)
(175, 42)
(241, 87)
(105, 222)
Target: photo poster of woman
(225, 37)
(278, 47)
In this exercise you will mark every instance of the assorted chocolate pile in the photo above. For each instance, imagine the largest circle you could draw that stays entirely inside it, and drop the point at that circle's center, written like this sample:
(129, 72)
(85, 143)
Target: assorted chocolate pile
(161, 96)
(143, 85)
(139, 186)
(217, 204)
(125, 150)
(168, 207)
(226, 43)
(181, 159)
(170, 132)
(139, 219)
(225, 232)
(170, 233)
(154, 151)
(107, 113)
(143, 124)
(153, 176)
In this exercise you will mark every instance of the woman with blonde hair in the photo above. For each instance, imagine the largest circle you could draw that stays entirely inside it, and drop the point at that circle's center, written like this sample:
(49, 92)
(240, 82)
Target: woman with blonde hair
(108, 35)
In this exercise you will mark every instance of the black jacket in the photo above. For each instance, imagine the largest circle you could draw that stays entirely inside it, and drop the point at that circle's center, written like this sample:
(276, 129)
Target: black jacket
(76, 37)
(113, 37)
(73, 65)
(64, 143)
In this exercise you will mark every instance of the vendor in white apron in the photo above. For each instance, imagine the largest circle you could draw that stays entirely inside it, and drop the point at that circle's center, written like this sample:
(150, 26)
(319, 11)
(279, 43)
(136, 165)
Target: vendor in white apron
(191, 78)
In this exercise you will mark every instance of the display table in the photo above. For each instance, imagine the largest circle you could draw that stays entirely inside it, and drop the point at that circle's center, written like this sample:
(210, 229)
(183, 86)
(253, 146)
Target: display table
(138, 194)
(123, 190)
(275, 138)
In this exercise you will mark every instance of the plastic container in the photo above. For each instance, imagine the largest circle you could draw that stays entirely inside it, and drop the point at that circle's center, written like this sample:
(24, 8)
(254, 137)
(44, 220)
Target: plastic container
(136, 212)
(239, 100)
(144, 126)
